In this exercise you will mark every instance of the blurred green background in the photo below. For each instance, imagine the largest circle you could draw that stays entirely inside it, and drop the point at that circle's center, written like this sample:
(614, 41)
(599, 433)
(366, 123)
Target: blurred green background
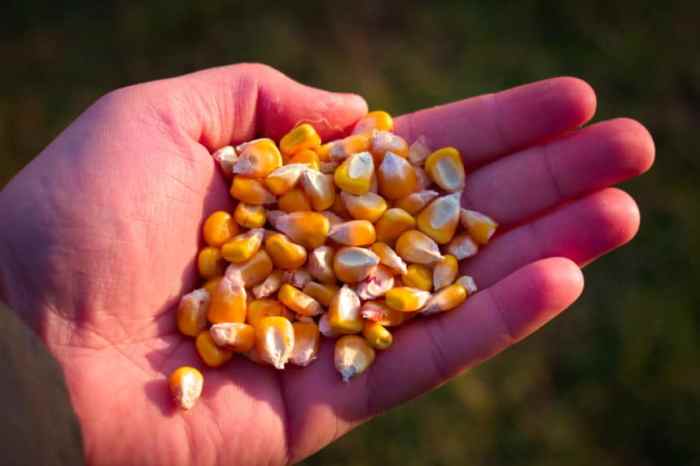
(615, 381)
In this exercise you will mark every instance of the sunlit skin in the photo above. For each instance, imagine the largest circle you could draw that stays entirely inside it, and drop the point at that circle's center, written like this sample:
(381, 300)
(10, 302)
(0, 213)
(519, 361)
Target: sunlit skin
(100, 234)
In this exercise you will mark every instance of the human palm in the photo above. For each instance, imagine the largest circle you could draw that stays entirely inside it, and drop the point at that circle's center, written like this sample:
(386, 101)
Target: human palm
(103, 227)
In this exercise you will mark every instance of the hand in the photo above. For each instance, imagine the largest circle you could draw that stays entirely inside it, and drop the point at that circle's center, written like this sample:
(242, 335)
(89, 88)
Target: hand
(101, 230)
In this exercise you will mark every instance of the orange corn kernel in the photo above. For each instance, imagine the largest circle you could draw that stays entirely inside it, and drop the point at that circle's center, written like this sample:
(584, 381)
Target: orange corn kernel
(218, 228)
(354, 264)
(418, 276)
(253, 271)
(481, 227)
(210, 263)
(242, 247)
(235, 336)
(249, 216)
(415, 202)
(258, 159)
(389, 258)
(418, 248)
(306, 343)
(310, 229)
(211, 354)
(274, 340)
(319, 188)
(354, 175)
(353, 233)
(251, 191)
(298, 301)
(445, 168)
(191, 314)
(228, 302)
(392, 224)
(352, 356)
(376, 335)
(320, 292)
(378, 311)
(285, 178)
(303, 136)
(294, 200)
(445, 272)
(320, 264)
(344, 148)
(369, 206)
(396, 177)
(444, 300)
(259, 308)
(377, 120)
(344, 311)
(186, 385)
(406, 299)
(284, 254)
(308, 157)
(440, 219)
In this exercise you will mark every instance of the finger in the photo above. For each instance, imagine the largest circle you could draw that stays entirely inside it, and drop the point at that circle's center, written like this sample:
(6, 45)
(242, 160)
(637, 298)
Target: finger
(513, 188)
(581, 231)
(490, 125)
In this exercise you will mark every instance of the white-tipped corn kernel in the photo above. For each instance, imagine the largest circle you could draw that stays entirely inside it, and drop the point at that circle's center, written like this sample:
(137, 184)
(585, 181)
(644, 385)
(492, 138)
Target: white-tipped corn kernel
(324, 326)
(226, 157)
(406, 299)
(389, 258)
(306, 343)
(369, 206)
(445, 168)
(186, 385)
(379, 281)
(468, 283)
(414, 246)
(319, 188)
(285, 178)
(344, 311)
(353, 233)
(445, 300)
(445, 272)
(320, 264)
(353, 356)
(415, 202)
(236, 336)
(440, 218)
(462, 247)
(419, 151)
(480, 227)
(274, 340)
(353, 264)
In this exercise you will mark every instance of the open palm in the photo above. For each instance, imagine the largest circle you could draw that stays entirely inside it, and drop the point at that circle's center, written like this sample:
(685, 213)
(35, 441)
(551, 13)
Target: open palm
(101, 230)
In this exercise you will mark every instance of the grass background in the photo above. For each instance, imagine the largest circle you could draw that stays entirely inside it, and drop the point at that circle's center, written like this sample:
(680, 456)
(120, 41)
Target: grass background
(615, 381)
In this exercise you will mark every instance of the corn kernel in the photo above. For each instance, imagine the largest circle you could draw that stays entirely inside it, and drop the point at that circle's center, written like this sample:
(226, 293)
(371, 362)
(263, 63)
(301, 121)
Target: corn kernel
(250, 216)
(397, 177)
(226, 157)
(353, 233)
(285, 178)
(392, 224)
(479, 226)
(212, 355)
(415, 202)
(446, 299)
(228, 302)
(310, 229)
(323, 151)
(376, 335)
(306, 343)
(344, 311)
(378, 282)
(186, 385)
(418, 276)
(319, 188)
(354, 175)
(377, 311)
(274, 340)
(353, 264)
(325, 328)
(251, 191)
(235, 336)
(297, 278)
(352, 356)
(211, 284)
(308, 157)
(320, 292)
(298, 301)
(269, 286)
(389, 258)
(468, 283)
(344, 148)
(218, 228)
(462, 247)
(242, 247)
(384, 142)
(294, 200)
(440, 219)
(369, 206)
(320, 264)
(419, 248)
(406, 299)
(284, 254)
(445, 168)
(252, 271)
(301, 137)
(419, 151)
(210, 263)
(191, 314)
(377, 120)
(259, 308)
(445, 272)
(258, 160)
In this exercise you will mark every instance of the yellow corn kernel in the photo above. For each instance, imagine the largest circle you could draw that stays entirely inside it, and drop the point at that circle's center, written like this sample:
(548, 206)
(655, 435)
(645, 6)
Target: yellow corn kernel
(211, 354)
(480, 227)
(353, 264)
(419, 248)
(211, 284)
(406, 299)
(298, 301)
(294, 200)
(396, 177)
(445, 168)
(344, 311)
(353, 233)
(344, 148)
(285, 254)
(301, 137)
(320, 292)
(419, 151)
(251, 191)
(389, 258)
(306, 343)
(377, 120)
(310, 229)
(377, 311)
(274, 340)
(226, 157)
(415, 202)
(339, 207)
(468, 283)
(218, 228)
(210, 263)
(308, 157)
(445, 272)
(352, 356)
(242, 247)
(440, 219)
(446, 299)
(323, 151)
(462, 247)
(384, 142)
(228, 302)
(369, 206)
(259, 308)
(235, 336)
(418, 276)
(376, 335)
(319, 188)
(285, 178)
(250, 216)
(258, 159)
(252, 271)
(392, 224)
(320, 264)
(191, 314)
(186, 385)
(354, 175)
(378, 282)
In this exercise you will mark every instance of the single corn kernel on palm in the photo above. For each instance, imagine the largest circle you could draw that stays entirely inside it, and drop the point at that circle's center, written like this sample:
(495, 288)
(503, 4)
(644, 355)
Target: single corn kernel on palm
(418, 248)
(301, 137)
(369, 206)
(242, 247)
(353, 233)
(319, 188)
(378, 282)
(298, 301)
(306, 343)
(269, 286)
(320, 292)
(218, 228)
(320, 265)
(344, 148)
(308, 157)
(376, 335)
(252, 271)
(389, 258)
(259, 308)
(228, 302)
(226, 157)
(285, 178)
(415, 202)
(446, 299)
(210, 263)
(462, 247)
(384, 142)
(191, 314)
(251, 191)
(418, 276)
(344, 311)
(352, 356)
(236, 336)
(377, 120)
(274, 340)
(294, 200)
(392, 224)
(419, 151)
(445, 168)
(284, 253)
(258, 160)
(480, 227)
(354, 264)
(211, 354)
(378, 311)
(440, 219)
(396, 177)
(468, 283)
(186, 385)
(406, 299)
(445, 272)
(354, 175)
(310, 229)
(250, 216)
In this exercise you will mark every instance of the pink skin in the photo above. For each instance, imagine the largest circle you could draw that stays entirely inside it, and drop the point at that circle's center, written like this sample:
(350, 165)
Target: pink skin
(101, 229)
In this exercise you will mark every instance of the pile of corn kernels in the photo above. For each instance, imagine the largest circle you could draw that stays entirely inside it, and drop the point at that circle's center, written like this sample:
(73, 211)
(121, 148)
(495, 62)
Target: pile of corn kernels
(345, 240)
